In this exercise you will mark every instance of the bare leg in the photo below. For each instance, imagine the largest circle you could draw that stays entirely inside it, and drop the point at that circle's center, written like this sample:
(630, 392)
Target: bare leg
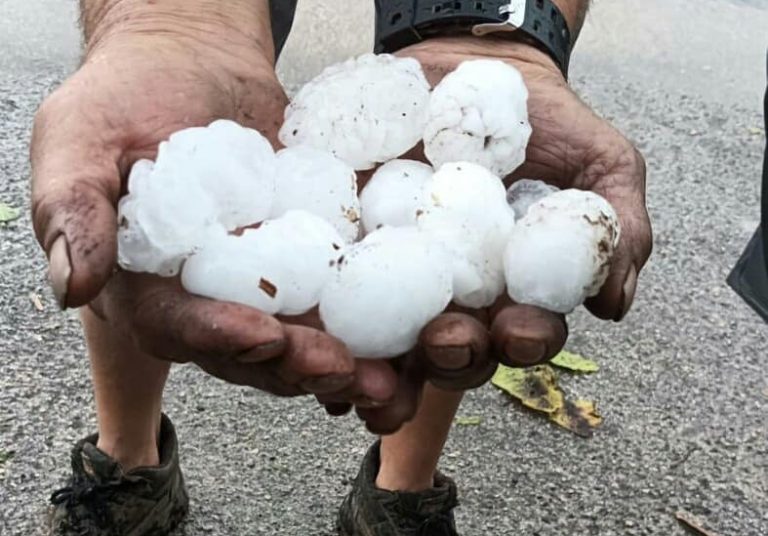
(409, 457)
(128, 386)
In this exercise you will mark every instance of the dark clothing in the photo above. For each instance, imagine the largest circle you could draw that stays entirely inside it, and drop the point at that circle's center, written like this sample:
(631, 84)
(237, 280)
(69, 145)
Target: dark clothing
(282, 19)
(750, 276)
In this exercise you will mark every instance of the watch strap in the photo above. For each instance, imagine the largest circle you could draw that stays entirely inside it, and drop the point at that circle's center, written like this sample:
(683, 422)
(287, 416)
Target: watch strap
(400, 23)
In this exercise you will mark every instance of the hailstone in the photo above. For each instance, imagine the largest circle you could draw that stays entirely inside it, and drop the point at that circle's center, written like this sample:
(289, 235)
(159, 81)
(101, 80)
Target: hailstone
(479, 113)
(395, 195)
(205, 181)
(386, 289)
(233, 164)
(281, 267)
(560, 253)
(525, 192)
(162, 221)
(318, 182)
(469, 216)
(366, 110)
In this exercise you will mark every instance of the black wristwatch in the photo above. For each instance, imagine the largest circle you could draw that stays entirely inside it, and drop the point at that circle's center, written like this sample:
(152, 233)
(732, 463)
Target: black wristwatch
(400, 23)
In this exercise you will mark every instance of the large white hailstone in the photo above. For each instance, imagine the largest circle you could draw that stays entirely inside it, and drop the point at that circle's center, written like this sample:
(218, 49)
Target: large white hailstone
(479, 113)
(366, 110)
(386, 289)
(233, 164)
(470, 217)
(560, 253)
(162, 221)
(281, 267)
(205, 181)
(318, 182)
(395, 195)
(525, 192)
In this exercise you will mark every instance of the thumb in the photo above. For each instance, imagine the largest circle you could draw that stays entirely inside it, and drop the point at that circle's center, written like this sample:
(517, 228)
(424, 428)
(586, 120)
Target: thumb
(75, 185)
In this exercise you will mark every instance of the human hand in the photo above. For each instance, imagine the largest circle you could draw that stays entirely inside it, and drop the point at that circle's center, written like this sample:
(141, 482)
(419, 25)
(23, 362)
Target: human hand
(136, 86)
(571, 147)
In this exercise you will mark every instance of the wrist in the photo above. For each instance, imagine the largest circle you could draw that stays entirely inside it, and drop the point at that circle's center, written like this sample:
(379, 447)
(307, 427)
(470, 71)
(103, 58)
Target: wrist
(242, 29)
(450, 51)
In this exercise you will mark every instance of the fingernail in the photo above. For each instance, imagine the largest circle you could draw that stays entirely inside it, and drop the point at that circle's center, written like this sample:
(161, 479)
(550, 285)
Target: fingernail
(327, 384)
(525, 351)
(59, 270)
(627, 293)
(450, 357)
(262, 352)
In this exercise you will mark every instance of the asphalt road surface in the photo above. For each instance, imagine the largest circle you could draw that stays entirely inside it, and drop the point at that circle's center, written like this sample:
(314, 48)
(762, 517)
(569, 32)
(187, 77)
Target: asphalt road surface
(683, 386)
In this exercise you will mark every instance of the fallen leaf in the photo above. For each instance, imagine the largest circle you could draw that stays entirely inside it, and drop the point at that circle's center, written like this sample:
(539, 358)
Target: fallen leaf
(6, 455)
(535, 387)
(36, 301)
(580, 417)
(765, 392)
(469, 421)
(756, 131)
(8, 213)
(693, 524)
(574, 362)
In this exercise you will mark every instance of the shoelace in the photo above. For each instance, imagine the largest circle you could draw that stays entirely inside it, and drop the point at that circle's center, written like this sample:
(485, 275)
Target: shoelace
(91, 496)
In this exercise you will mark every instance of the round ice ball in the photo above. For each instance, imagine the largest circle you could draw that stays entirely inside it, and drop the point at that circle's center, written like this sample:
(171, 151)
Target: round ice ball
(281, 267)
(386, 289)
(318, 182)
(560, 253)
(366, 110)
(395, 195)
(479, 113)
(469, 216)
(525, 192)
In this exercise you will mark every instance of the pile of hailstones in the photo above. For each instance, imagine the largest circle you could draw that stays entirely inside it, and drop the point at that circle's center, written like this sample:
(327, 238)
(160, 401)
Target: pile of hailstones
(285, 232)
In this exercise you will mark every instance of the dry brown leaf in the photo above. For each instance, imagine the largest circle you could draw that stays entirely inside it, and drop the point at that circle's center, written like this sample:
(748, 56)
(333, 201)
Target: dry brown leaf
(693, 524)
(580, 417)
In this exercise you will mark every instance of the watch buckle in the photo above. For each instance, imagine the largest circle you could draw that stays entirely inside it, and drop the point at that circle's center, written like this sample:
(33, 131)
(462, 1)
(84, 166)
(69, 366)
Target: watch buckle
(515, 13)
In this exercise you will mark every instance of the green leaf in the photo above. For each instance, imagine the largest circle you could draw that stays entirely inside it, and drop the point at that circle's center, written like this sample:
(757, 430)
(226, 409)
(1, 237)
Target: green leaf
(6, 455)
(469, 421)
(8, 213)
(535, 387)
(574, 362)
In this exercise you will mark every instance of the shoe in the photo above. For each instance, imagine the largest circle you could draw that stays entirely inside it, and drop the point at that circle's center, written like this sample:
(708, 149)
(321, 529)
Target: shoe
(369, 511)
(102, 500)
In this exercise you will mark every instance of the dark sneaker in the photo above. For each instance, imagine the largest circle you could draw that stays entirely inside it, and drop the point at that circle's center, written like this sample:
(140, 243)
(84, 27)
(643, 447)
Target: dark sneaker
(102, 500)
(369, 511)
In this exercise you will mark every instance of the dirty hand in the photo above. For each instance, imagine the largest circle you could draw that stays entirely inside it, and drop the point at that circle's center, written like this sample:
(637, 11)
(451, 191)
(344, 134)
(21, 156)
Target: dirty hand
(137, 85)
(570, 147)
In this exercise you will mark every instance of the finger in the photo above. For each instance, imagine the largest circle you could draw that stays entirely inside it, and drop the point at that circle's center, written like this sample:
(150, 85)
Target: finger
(75, 185)
(624, 187)
(524, 335)
(375, 385)
(455, 352)
(388, 419)
(315, 360)
(169, 323)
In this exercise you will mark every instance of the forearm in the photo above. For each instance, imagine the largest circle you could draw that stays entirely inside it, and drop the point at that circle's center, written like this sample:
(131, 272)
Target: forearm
(236, 22)
(574, 11)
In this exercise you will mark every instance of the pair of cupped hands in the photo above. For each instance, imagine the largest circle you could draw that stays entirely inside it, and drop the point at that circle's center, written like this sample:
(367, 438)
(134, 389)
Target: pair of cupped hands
(134, 89)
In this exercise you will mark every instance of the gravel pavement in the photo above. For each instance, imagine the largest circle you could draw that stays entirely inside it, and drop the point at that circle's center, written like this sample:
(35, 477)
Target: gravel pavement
(683, 386)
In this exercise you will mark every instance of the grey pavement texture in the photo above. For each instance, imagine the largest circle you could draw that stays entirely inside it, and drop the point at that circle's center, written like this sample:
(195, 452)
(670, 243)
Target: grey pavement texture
(683, 386)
